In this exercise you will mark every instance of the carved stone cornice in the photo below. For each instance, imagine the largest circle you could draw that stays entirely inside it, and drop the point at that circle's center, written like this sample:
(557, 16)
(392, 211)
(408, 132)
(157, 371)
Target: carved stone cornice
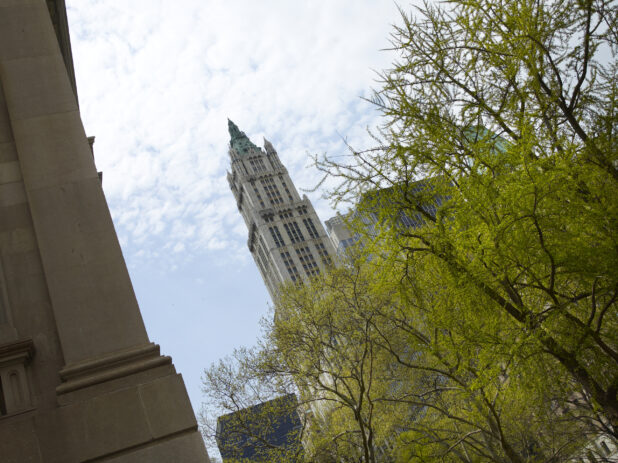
(17, 352)
(106, 368)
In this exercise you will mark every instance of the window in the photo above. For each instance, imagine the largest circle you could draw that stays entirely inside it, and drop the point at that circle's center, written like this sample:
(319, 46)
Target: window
(244, 168)
(258, 195)
(263, 261)
(274, 231)
(287, 190)
(409, 222)
(273, 161)
(14, 393)
(286, 214)
(262, 243)
(262, 257)
(272, 192)
(307, 260)
(313, 233)
(294, 232)
(257, 164)
(323, 253)
(290, 266)
(297, 230)
(343, 244)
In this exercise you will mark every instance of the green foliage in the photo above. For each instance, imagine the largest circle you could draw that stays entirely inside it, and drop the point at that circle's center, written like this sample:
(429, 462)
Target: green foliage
(508, 110)
(386, 370)
(328, 338)
(487, 332)
(244, 408)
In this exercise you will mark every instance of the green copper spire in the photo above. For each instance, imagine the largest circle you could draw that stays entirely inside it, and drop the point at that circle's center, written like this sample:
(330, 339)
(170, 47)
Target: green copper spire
(239, 141)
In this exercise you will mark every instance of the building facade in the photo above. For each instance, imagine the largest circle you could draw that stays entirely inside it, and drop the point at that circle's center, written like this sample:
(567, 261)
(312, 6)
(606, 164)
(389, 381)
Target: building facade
(269, 431)
(286, 237)
(363, 221)
(80, 380)
(340, 234)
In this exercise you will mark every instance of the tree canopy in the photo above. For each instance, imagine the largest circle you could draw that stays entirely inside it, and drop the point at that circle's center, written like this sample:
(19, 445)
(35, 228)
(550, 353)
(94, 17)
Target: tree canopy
(478, 320)
(509, 109)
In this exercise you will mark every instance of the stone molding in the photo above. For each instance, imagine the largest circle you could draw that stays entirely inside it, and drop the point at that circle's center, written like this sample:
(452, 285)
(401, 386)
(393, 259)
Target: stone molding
(119, 364)
(18, 352)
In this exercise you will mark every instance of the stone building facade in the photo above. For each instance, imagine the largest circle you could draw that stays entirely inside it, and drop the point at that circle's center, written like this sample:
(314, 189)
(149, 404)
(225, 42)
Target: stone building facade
(80, 381)
(286, 237)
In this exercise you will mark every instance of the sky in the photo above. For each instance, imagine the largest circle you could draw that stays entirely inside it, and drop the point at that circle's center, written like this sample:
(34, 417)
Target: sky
(157, 81)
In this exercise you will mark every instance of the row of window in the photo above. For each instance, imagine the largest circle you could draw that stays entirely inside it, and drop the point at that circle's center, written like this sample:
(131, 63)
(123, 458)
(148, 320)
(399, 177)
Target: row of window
(264, 262)
(293, 231)
(278, 239)
(305, 256)
(287, 190)
(272, 190)
(270, 216)
(313, 233)
(274, 196)
(243, 167)
(323, 253)
(257, 164)
(307, 261)
(274, 161)
(290, 266)
(258, 195)
(289, 213)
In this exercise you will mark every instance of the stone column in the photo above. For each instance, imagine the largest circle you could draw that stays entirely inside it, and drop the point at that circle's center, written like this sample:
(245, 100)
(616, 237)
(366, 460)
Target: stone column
(117, 399)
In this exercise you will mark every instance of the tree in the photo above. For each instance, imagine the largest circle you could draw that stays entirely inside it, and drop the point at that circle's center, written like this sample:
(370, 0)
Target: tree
(323, 345)
(509, 109)
(384, 372)
(325, 337)
(483, 393)
(246, 410)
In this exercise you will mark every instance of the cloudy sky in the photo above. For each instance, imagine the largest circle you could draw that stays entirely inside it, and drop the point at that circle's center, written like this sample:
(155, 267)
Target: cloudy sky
(157, 81)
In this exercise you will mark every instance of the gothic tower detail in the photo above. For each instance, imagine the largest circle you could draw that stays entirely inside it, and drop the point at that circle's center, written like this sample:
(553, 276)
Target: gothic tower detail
(286, 238)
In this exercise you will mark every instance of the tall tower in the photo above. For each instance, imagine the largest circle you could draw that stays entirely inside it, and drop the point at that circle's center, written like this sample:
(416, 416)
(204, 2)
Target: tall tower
(80, 380)
(286, 238)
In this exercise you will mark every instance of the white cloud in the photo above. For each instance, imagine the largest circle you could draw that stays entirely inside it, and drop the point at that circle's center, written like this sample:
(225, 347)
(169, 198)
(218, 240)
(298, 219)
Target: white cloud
(158, 79)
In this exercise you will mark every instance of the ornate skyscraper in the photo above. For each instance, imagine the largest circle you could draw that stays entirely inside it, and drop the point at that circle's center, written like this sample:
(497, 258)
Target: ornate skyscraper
(80, 380)
(286, 238)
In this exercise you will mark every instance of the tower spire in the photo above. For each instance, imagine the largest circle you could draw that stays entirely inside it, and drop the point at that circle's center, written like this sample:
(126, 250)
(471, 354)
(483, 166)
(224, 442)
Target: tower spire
(286, 237)
(239, 140)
